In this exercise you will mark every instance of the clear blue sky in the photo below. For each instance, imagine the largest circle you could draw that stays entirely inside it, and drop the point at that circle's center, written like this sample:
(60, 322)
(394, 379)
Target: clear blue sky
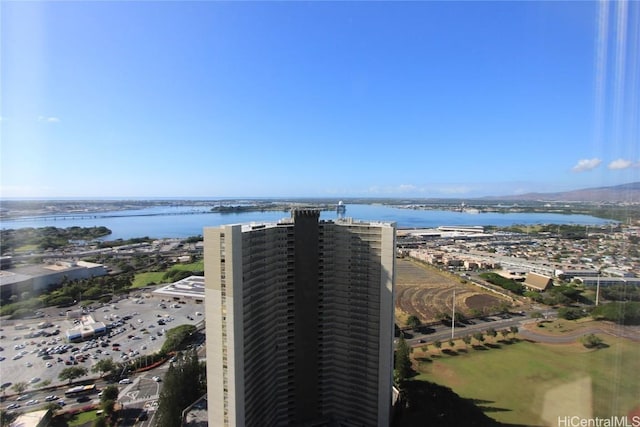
(319, 99)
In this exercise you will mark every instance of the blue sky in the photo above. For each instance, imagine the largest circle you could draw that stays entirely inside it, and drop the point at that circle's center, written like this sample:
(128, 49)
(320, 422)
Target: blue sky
(318, 99)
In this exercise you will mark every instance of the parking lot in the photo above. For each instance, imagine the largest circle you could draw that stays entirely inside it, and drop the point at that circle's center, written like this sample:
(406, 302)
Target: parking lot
(36, 355)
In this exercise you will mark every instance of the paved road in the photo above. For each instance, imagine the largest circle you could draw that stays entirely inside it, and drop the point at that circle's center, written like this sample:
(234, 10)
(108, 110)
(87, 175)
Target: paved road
(442, 332)
(526, 328)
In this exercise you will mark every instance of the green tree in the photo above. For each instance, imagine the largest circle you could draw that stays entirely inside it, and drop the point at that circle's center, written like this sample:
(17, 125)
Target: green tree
(184, 383)
(413, 322)
(72, 372)
(437, 344)
(626, 313)
(108, 408)
(466, 340)
(513, 330)
(492, 333)
(570, 313)
(6, 418)
(175, 337)
(504, 333)
(19, 387)
(104, 365)
(478, 336)
(109, 393)
(402, 360)
(52, 406)
(591, 341)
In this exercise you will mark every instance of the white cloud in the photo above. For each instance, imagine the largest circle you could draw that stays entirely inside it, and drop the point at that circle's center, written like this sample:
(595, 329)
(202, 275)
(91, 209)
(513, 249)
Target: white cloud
(398, 189)
(51, 119)
(405, 188)
(453, 189)
(621, 164)
(586, 165)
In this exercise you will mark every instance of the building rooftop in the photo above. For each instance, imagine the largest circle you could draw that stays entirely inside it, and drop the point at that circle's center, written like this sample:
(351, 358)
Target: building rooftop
(20, 274)
(192, 286)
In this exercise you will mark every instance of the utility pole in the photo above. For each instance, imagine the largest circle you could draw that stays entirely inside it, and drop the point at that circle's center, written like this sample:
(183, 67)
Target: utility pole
(598, 289)
(453, 314)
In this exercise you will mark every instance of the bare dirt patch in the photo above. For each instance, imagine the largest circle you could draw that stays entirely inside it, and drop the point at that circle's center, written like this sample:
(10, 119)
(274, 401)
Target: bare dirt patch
(480, 301)
(426, 292)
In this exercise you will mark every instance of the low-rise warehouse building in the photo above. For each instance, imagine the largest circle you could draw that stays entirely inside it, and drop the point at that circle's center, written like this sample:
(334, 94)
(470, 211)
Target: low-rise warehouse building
(44, 277)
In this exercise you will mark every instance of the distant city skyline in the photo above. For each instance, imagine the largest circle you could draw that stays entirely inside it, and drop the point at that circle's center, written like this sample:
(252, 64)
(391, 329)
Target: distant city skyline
(317, 99)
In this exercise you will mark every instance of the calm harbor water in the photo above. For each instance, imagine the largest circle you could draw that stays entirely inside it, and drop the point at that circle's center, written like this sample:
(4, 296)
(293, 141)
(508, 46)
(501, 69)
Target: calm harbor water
(180, 222)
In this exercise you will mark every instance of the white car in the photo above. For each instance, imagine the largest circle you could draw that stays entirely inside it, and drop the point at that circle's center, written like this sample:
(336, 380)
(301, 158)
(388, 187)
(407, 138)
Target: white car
(32, 402)
(156, 378)
(124, 381)
(50, 398)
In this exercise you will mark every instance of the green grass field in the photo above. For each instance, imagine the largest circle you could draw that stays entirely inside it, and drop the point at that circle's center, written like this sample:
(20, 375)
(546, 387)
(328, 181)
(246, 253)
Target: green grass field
(82, 418)
(532, 384)
(143, 279)
(194, 266)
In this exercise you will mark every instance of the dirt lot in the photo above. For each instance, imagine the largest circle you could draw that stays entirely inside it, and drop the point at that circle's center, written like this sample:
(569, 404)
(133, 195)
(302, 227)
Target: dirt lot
(426, 292)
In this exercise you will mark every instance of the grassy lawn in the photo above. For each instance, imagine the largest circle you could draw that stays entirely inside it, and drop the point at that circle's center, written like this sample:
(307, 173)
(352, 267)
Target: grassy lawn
(532, 384)
(194, 266)
(143, 279)
(27, 248)
(82, 418)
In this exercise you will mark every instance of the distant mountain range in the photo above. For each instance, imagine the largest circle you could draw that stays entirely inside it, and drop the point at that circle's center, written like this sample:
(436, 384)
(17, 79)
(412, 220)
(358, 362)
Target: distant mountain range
(624, 193)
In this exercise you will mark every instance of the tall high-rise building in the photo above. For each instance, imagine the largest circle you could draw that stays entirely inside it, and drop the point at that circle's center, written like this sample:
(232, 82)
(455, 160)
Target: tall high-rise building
(300, 322)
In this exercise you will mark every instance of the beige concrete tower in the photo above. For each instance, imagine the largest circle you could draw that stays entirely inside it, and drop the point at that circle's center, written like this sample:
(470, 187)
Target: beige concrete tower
(300, 322)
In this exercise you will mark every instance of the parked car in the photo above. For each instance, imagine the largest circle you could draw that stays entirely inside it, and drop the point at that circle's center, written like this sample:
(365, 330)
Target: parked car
(124, 381)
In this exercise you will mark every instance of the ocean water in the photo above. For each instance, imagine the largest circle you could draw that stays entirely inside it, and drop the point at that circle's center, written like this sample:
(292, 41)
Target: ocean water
(185, 221)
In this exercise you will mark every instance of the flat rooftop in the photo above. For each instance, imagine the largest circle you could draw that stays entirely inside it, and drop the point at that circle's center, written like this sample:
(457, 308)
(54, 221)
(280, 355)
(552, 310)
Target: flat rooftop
(192, 286)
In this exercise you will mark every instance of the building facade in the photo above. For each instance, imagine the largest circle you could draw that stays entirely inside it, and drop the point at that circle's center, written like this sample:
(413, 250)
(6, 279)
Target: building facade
(300, 322)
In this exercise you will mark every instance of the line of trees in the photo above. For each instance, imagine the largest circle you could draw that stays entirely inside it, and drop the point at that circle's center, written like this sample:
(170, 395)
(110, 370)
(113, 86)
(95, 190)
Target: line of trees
(48, 237)
(508, 284)
(626, 313)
